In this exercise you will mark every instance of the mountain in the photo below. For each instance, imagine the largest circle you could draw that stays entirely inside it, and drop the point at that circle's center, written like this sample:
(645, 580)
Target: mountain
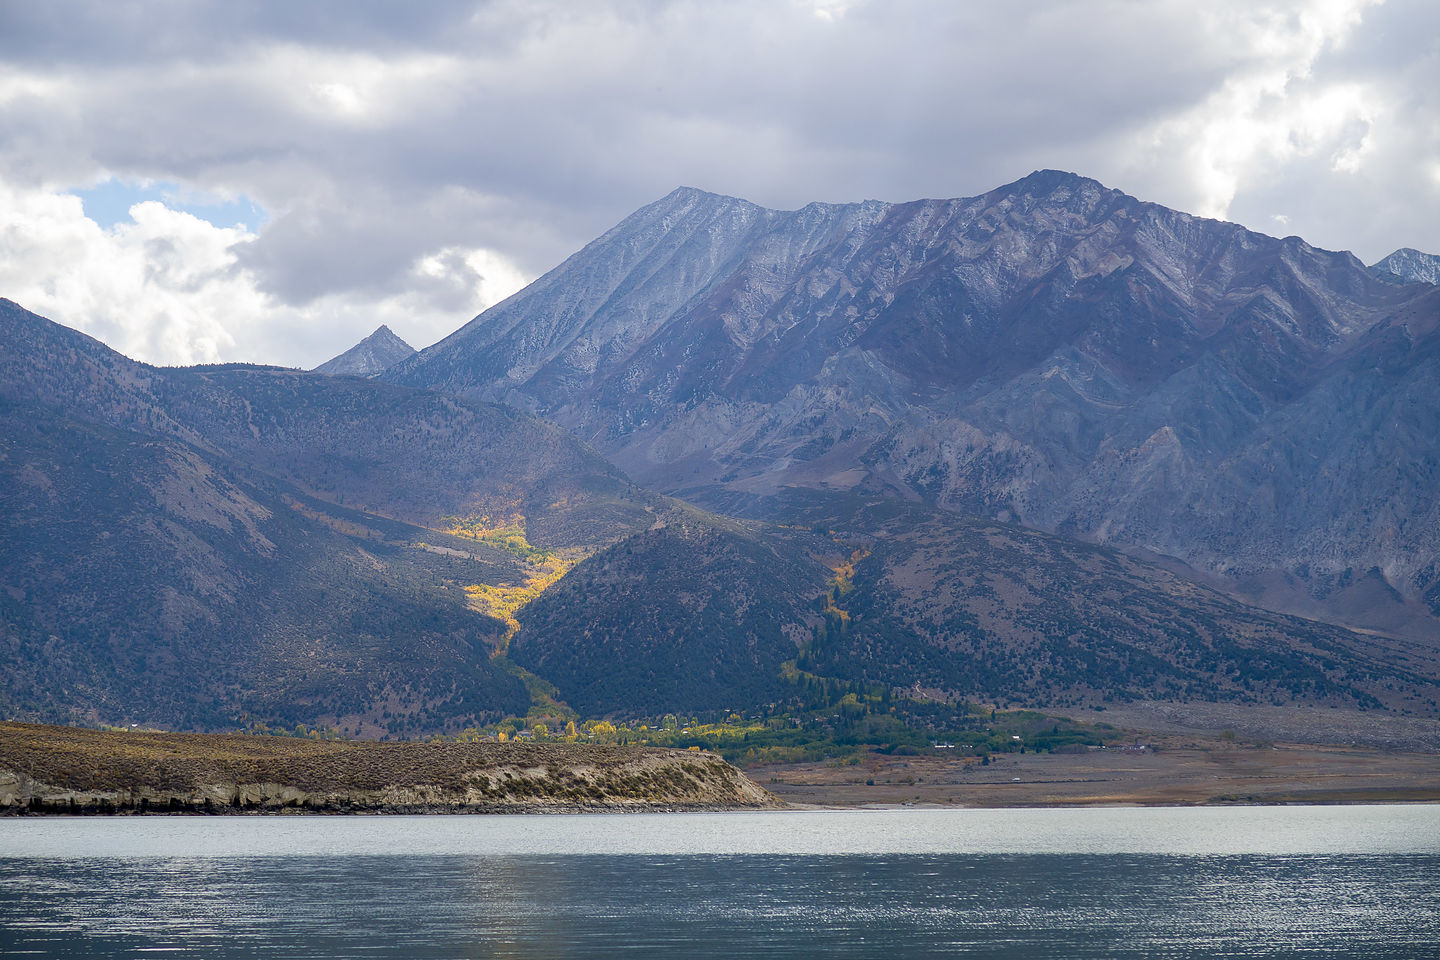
(699, 614)
(194, 547)
(400, 453)
(998, 613)
(1410, 265)
(146, 582)
(189, 547)
(1053, 352)
(370, 357)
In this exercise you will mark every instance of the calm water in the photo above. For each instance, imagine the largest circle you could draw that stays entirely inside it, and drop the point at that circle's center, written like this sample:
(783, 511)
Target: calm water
(1350, 882)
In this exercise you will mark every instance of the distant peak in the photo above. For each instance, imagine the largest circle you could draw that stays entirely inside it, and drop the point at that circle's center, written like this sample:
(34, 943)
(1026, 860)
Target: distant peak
(1409, 264)
(1046, 182)
(371, 356)
(694, 194)
(383, 332)
(1410, 253)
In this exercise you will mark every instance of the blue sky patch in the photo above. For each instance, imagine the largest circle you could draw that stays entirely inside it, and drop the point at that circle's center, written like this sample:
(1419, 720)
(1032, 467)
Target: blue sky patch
(109, 203)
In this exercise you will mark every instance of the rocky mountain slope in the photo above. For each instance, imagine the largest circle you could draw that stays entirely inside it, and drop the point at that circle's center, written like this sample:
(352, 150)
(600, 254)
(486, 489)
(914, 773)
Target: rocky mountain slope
(370, 357)
(1410, 265)
(952, 608)
(147, 582)
(1053, 352)
(997, 613)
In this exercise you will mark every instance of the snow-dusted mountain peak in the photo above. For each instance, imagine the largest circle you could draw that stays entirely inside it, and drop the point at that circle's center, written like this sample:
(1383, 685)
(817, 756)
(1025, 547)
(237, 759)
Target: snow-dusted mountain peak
(1411, 265)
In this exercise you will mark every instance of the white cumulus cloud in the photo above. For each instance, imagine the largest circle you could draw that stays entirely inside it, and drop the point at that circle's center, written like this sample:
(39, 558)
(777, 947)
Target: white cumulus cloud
(167, 287)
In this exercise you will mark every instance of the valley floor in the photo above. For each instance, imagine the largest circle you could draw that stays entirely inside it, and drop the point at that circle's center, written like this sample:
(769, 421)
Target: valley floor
(1164, 771)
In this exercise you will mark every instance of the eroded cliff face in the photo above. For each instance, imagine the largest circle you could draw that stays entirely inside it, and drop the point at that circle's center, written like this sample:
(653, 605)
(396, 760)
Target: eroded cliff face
(1053, 352)
(70, 770)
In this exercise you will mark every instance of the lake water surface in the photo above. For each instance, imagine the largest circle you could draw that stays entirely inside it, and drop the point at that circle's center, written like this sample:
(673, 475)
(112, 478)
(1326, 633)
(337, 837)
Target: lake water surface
(1353, 882)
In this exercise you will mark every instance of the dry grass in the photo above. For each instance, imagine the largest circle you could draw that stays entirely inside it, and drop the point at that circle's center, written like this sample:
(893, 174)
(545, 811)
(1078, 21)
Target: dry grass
(64, 761)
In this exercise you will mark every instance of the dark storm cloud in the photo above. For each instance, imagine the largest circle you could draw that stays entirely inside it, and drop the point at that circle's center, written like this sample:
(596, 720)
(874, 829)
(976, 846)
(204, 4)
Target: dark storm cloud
(83, 32)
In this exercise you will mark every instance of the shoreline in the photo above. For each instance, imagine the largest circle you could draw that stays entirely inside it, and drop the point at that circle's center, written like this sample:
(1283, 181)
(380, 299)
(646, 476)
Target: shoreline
(52, 812)
(68, 771)
(787, 808)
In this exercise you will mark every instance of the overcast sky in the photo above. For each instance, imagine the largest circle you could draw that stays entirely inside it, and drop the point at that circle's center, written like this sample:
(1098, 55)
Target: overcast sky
(203, 181)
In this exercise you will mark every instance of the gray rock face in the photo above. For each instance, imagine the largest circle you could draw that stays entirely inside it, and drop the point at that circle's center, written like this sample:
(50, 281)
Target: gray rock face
(370, 357)
(1411, 265)
(1053, 352)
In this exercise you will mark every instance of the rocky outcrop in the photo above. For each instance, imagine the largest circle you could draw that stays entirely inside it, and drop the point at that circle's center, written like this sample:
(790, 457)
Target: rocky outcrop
(70, 770)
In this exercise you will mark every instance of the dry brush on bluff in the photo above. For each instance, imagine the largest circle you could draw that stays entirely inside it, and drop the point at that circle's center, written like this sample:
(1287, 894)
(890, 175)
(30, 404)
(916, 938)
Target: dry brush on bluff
(70, 770)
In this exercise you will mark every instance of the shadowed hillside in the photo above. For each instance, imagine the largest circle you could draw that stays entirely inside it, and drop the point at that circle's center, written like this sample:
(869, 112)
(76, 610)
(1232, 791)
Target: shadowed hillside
(191, 547)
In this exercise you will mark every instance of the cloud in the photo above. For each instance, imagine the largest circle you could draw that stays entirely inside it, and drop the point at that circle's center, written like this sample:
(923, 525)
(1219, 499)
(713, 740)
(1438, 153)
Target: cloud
(379, 138)
(168, 287)
(1274, 108)
(109, 203)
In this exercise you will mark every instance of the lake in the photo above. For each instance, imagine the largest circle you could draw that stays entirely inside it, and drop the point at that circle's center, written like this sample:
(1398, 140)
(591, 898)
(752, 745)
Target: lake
(1351, 881)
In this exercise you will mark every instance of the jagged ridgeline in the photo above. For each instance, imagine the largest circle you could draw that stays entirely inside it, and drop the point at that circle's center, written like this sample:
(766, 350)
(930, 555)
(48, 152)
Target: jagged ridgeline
(1052, 352)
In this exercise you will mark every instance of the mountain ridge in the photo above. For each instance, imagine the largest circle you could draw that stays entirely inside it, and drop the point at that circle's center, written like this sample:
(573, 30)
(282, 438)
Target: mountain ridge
(940, 374)
(1052, 351)
(191, 546)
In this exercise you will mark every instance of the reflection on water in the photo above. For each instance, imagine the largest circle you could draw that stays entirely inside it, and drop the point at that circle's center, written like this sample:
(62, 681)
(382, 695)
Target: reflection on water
(470, 905)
